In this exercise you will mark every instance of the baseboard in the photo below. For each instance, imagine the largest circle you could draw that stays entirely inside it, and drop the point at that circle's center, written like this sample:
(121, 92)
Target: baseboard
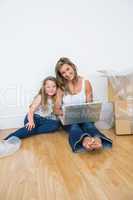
(11, 122)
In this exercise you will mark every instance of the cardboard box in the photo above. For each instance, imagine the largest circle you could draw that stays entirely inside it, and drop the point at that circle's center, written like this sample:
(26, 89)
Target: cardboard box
(123, 117)
(112, 95)
(122, 106)
(123, 87)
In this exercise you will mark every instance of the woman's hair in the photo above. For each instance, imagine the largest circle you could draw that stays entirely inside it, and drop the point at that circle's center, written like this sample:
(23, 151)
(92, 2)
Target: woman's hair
(44, 96)
(62, 82)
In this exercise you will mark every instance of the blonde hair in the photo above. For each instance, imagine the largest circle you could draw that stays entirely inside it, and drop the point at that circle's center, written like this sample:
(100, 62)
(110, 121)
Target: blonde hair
(44, 96)
(62, 82)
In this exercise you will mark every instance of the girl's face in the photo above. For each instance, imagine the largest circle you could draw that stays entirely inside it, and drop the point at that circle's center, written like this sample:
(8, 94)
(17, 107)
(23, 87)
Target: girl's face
(50, 88)
(67, 72)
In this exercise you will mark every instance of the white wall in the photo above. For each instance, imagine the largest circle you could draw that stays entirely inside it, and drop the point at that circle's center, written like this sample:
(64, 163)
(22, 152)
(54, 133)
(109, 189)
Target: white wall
(34, 34)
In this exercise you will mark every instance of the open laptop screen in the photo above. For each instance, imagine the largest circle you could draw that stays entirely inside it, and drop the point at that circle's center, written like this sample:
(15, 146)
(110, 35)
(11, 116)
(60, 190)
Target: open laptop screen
(81, 113)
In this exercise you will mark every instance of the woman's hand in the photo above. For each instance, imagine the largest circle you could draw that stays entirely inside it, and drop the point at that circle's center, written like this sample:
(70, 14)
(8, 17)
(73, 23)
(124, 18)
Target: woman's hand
(30, 125)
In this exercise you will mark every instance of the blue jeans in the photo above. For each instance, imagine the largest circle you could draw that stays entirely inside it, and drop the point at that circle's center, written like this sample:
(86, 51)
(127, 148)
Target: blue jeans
(77, 132)
(42, 125)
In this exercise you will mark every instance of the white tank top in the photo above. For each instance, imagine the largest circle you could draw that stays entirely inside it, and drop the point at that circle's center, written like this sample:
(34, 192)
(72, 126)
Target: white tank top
(46, 113)
(75, 98)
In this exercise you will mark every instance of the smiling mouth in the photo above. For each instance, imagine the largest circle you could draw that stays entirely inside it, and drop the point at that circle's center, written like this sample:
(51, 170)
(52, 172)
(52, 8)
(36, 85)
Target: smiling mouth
(51, 93)
(70, 76)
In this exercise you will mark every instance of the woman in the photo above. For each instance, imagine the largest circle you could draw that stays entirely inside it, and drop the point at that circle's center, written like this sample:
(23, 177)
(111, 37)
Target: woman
(74, 90)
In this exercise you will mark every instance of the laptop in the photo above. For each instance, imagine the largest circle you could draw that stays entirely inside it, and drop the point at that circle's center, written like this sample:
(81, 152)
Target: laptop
(78, 113)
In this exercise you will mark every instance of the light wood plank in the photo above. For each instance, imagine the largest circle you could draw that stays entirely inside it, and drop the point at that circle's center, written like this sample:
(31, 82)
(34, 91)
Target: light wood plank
(45, 168)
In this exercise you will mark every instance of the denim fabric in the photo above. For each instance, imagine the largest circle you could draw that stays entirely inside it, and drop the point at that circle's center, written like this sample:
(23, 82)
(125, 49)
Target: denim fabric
(42, 126)
(78, 131)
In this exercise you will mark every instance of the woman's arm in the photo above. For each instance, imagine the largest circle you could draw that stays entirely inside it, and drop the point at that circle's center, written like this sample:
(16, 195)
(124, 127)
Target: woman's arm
(58, 102)
(89, 93)
(33, 107)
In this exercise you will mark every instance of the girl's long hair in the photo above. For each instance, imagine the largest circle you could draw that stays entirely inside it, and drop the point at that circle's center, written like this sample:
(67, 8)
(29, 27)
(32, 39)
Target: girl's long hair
(62, 82)
(44, 96)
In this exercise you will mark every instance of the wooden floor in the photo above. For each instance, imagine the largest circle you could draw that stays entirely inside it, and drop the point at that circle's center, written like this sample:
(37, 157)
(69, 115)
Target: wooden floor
(46, 169)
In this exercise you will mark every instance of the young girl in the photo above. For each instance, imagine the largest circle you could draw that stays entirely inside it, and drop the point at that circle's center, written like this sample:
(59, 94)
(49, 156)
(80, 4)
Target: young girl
(74, 90)
(40, 117)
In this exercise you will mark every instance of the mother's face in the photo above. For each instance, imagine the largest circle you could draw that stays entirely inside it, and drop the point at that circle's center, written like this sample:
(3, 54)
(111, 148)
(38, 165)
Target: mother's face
(67, 72)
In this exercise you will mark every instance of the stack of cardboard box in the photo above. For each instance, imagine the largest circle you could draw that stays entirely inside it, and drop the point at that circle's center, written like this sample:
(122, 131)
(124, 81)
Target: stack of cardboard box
(123, 104)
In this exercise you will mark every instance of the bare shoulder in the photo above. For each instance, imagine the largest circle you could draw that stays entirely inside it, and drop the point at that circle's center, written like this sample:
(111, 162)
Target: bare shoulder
(89, 93)
(37, 99)
(88, 86)
(35, 103)
(81, 78)
(88, 83)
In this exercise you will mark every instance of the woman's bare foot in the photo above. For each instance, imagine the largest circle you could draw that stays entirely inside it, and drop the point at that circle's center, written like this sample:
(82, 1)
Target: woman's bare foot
(87, 143)
(97, 144)
(92, 143)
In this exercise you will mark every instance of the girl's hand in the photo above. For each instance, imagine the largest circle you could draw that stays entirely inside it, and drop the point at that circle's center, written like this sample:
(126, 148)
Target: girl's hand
(30, 125)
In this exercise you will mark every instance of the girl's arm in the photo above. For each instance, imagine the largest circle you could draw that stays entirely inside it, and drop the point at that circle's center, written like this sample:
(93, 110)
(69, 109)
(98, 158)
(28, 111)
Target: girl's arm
(89, 94)
(33, 107)
(58, 102)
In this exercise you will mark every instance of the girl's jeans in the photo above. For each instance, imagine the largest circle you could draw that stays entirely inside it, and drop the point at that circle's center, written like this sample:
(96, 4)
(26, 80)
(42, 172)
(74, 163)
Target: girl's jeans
(78, 131)
(42, 125)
